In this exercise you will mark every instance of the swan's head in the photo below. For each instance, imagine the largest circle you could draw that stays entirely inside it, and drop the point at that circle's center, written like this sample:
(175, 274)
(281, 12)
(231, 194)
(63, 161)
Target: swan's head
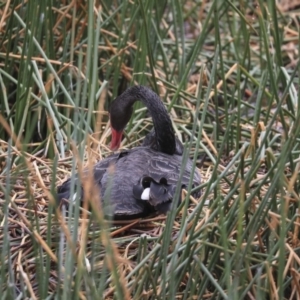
(119, 115)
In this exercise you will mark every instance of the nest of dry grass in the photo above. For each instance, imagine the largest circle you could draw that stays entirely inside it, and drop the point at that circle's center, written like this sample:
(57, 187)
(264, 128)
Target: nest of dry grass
(27, 226)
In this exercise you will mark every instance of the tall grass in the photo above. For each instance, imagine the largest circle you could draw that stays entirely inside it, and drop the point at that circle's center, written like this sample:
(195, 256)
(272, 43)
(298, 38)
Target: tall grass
(228, 73)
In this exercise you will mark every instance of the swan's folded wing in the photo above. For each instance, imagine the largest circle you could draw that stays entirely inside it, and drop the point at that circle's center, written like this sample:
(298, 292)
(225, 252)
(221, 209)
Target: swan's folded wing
(168, 171)
(160, 180)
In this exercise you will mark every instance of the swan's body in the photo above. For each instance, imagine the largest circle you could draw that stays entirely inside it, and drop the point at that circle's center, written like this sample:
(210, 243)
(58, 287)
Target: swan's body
(131, 170)
(144, 179)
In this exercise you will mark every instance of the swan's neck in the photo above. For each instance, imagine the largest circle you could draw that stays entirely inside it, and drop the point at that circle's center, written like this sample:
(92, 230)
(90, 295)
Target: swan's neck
(121, 111)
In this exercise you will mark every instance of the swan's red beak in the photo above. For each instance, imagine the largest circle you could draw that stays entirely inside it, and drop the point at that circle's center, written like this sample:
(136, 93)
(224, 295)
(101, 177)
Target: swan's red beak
(116, 138)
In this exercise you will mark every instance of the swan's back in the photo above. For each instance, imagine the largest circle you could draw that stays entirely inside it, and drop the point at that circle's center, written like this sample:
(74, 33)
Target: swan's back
(122, 185)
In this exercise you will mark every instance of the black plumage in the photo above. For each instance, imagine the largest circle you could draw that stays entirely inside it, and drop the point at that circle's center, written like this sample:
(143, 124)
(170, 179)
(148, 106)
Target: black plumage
(154, 166)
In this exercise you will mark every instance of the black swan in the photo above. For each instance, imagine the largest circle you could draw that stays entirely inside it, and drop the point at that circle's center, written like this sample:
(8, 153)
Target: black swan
(144, 179)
